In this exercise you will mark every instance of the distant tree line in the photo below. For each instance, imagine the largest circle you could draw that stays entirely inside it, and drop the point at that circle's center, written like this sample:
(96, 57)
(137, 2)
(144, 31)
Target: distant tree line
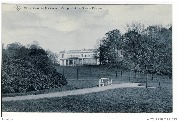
(28, 68)
(141, 49)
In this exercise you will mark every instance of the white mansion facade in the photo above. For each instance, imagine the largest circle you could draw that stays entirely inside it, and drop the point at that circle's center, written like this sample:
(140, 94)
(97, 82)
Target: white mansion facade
(78, 57)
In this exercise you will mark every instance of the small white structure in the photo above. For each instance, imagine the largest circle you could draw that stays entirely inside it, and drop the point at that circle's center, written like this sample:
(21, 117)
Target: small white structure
(105, 82)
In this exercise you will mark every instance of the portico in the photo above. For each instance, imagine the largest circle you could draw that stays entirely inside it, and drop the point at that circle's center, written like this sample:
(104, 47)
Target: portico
(78, 57)
(72, 61)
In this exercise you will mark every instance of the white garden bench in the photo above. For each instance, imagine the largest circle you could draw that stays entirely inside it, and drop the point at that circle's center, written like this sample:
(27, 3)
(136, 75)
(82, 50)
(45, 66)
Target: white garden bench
(105, 82)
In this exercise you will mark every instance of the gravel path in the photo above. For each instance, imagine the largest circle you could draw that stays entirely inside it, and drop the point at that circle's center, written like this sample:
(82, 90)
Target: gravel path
(71, 92)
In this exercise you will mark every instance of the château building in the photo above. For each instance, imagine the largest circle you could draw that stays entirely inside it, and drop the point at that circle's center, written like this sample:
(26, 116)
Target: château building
(78, 57)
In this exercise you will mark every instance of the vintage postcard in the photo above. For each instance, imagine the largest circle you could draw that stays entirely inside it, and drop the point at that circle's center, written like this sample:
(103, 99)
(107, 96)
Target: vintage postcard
(87, 58)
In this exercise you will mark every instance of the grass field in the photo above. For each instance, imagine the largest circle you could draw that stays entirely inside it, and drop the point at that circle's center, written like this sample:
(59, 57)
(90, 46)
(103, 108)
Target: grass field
(95, 72)
(127, 100)
(89, 77)
(158, 99)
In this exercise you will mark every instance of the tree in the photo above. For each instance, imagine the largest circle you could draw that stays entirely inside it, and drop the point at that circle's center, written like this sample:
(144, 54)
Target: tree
(110, 46)
(134, 48)
(53, 57)
(159, 41)
(28, 69)
(143, 49)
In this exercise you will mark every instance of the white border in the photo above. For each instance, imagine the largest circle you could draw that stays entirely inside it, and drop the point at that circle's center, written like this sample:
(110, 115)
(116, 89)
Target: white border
(88, 2)
(115, 116)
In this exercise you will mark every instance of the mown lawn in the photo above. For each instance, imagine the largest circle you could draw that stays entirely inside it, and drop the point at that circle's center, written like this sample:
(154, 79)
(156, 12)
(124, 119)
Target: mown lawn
(117, 100)
(96, 72)
(89, 77)
(127, 100)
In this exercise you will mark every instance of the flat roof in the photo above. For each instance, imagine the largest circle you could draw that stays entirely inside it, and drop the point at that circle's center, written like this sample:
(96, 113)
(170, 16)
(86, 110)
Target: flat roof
(80, 51)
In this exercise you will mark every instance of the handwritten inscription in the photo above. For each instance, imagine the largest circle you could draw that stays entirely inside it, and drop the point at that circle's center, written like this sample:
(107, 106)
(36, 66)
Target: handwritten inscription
(18, 8)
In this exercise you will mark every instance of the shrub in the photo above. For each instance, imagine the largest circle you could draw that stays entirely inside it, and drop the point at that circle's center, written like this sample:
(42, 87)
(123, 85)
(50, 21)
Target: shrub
(28, 69)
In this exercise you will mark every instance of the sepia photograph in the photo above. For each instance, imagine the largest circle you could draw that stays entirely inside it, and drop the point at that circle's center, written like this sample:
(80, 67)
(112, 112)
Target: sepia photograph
(86, 58)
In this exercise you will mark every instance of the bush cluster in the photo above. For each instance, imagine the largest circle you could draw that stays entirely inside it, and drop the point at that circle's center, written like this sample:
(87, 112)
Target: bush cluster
(146, 49)
(27, 69)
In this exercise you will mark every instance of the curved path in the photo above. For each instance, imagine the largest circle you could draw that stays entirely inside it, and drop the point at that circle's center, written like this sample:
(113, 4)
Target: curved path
(71, 92)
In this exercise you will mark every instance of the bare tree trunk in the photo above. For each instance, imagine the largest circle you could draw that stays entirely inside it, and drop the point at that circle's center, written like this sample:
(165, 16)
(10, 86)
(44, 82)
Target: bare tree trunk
(116, 74)
(146, 80)
(77, 74)
(90, 71)
(152, 76)
(129, 75)
(63, 71)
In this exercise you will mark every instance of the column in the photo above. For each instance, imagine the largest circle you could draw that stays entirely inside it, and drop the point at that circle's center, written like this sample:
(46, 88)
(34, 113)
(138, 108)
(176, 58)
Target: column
(68, 63)
(78, 62)
(82, 61)
(73, 62)
(62, 62)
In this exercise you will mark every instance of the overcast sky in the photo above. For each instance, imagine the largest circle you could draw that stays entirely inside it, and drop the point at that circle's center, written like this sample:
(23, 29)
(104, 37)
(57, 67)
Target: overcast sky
(76, 28)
